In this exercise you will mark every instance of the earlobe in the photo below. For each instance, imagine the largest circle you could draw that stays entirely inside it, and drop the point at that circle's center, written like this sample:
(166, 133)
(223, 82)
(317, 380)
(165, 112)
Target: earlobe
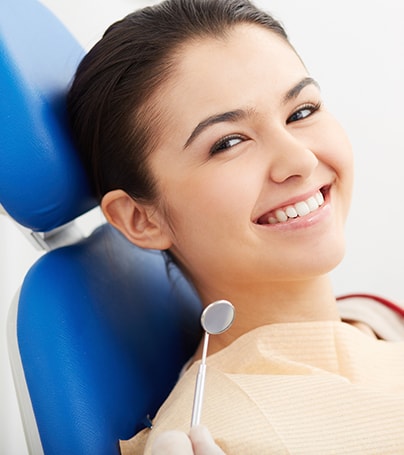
(138, 222)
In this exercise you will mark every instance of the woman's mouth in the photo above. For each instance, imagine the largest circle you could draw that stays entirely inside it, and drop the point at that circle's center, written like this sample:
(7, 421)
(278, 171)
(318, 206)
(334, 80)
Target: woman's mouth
(299, 209)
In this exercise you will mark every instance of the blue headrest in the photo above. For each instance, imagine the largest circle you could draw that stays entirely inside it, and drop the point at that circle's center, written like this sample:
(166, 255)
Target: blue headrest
(42, 183)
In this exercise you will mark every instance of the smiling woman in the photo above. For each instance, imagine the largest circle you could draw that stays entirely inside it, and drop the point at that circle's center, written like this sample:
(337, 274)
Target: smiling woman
(205, 135)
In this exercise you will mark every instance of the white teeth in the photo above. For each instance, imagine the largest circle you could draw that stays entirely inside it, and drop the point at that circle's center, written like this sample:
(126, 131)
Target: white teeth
(281, 216)
(291, 212)
(301, 208)
(319, 198)
(312, 203)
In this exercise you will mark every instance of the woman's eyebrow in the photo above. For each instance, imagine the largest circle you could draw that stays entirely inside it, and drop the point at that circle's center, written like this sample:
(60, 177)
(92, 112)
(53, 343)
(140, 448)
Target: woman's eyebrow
(240, 114)
(296, 89)
(231, 116)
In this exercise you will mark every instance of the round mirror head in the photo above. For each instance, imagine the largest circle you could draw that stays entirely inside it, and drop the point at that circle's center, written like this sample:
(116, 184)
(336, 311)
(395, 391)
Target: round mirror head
(217, 317)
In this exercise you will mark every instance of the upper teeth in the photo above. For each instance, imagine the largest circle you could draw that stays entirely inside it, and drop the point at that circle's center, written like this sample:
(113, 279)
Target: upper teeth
(301, 208)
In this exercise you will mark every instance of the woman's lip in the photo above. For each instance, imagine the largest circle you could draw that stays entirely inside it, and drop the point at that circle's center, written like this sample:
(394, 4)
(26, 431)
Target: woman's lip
(315, 218)
(263, 219)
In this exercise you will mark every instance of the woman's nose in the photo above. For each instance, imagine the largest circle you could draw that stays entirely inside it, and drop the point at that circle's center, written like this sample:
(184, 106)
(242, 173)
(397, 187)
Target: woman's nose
(291, 158)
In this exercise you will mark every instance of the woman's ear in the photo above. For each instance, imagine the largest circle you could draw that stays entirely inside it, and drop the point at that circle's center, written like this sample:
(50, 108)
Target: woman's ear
(139, 223)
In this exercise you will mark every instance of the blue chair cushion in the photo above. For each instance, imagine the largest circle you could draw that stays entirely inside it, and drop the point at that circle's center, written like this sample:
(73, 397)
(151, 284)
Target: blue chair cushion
(104, 329)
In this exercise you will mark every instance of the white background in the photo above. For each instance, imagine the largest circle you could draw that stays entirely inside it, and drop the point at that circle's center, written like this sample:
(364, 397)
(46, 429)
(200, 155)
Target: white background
(354, 49)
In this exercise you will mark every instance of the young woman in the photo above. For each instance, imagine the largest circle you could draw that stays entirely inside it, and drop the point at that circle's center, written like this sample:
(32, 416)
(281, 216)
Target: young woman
(205, 136)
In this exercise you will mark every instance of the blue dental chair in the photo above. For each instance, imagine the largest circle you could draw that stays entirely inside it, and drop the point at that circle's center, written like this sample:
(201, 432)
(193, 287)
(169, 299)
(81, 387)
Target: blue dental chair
(100, 328)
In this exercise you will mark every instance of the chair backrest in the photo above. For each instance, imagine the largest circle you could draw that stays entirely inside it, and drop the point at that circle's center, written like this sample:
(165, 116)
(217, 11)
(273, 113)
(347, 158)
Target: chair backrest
(101, 327)
(103, 332)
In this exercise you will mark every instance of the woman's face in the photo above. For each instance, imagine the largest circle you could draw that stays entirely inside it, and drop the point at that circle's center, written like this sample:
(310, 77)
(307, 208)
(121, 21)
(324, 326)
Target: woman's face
(254, 173)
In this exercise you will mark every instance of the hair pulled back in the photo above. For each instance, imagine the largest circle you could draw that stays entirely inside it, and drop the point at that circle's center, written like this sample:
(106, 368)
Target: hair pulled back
(108, 100)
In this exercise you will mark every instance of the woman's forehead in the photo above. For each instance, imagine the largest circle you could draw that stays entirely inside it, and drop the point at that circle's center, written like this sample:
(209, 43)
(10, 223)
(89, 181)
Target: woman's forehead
(212, 71)
(251, 37)
(212, 75)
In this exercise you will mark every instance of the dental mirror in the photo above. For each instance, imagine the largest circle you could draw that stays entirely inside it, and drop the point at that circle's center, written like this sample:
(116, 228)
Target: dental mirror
(216, 318)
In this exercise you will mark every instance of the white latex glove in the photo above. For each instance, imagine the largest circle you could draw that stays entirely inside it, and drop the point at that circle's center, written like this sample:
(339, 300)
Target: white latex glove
(199, 442)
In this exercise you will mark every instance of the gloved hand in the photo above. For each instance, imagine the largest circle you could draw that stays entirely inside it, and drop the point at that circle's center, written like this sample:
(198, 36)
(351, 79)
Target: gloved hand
(198, 442)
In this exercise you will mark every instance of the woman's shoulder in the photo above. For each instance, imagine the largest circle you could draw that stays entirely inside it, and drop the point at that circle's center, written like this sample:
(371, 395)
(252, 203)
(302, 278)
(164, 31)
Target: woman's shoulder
(227, 411)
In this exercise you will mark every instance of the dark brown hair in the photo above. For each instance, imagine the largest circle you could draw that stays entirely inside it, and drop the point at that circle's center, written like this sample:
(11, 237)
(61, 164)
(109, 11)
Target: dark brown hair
(109, 101)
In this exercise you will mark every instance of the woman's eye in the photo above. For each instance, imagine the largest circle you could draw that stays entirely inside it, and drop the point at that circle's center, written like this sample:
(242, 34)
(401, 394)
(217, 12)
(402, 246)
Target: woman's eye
(226, 143)
(303, 112)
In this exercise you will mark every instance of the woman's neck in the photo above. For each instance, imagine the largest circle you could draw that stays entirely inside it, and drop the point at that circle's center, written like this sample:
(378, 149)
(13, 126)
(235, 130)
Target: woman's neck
(301, 301)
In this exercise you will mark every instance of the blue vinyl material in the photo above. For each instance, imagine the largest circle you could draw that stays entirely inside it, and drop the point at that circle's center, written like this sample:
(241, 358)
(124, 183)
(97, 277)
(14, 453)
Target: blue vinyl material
(42, 183)
(103, 332)
(102, 328)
